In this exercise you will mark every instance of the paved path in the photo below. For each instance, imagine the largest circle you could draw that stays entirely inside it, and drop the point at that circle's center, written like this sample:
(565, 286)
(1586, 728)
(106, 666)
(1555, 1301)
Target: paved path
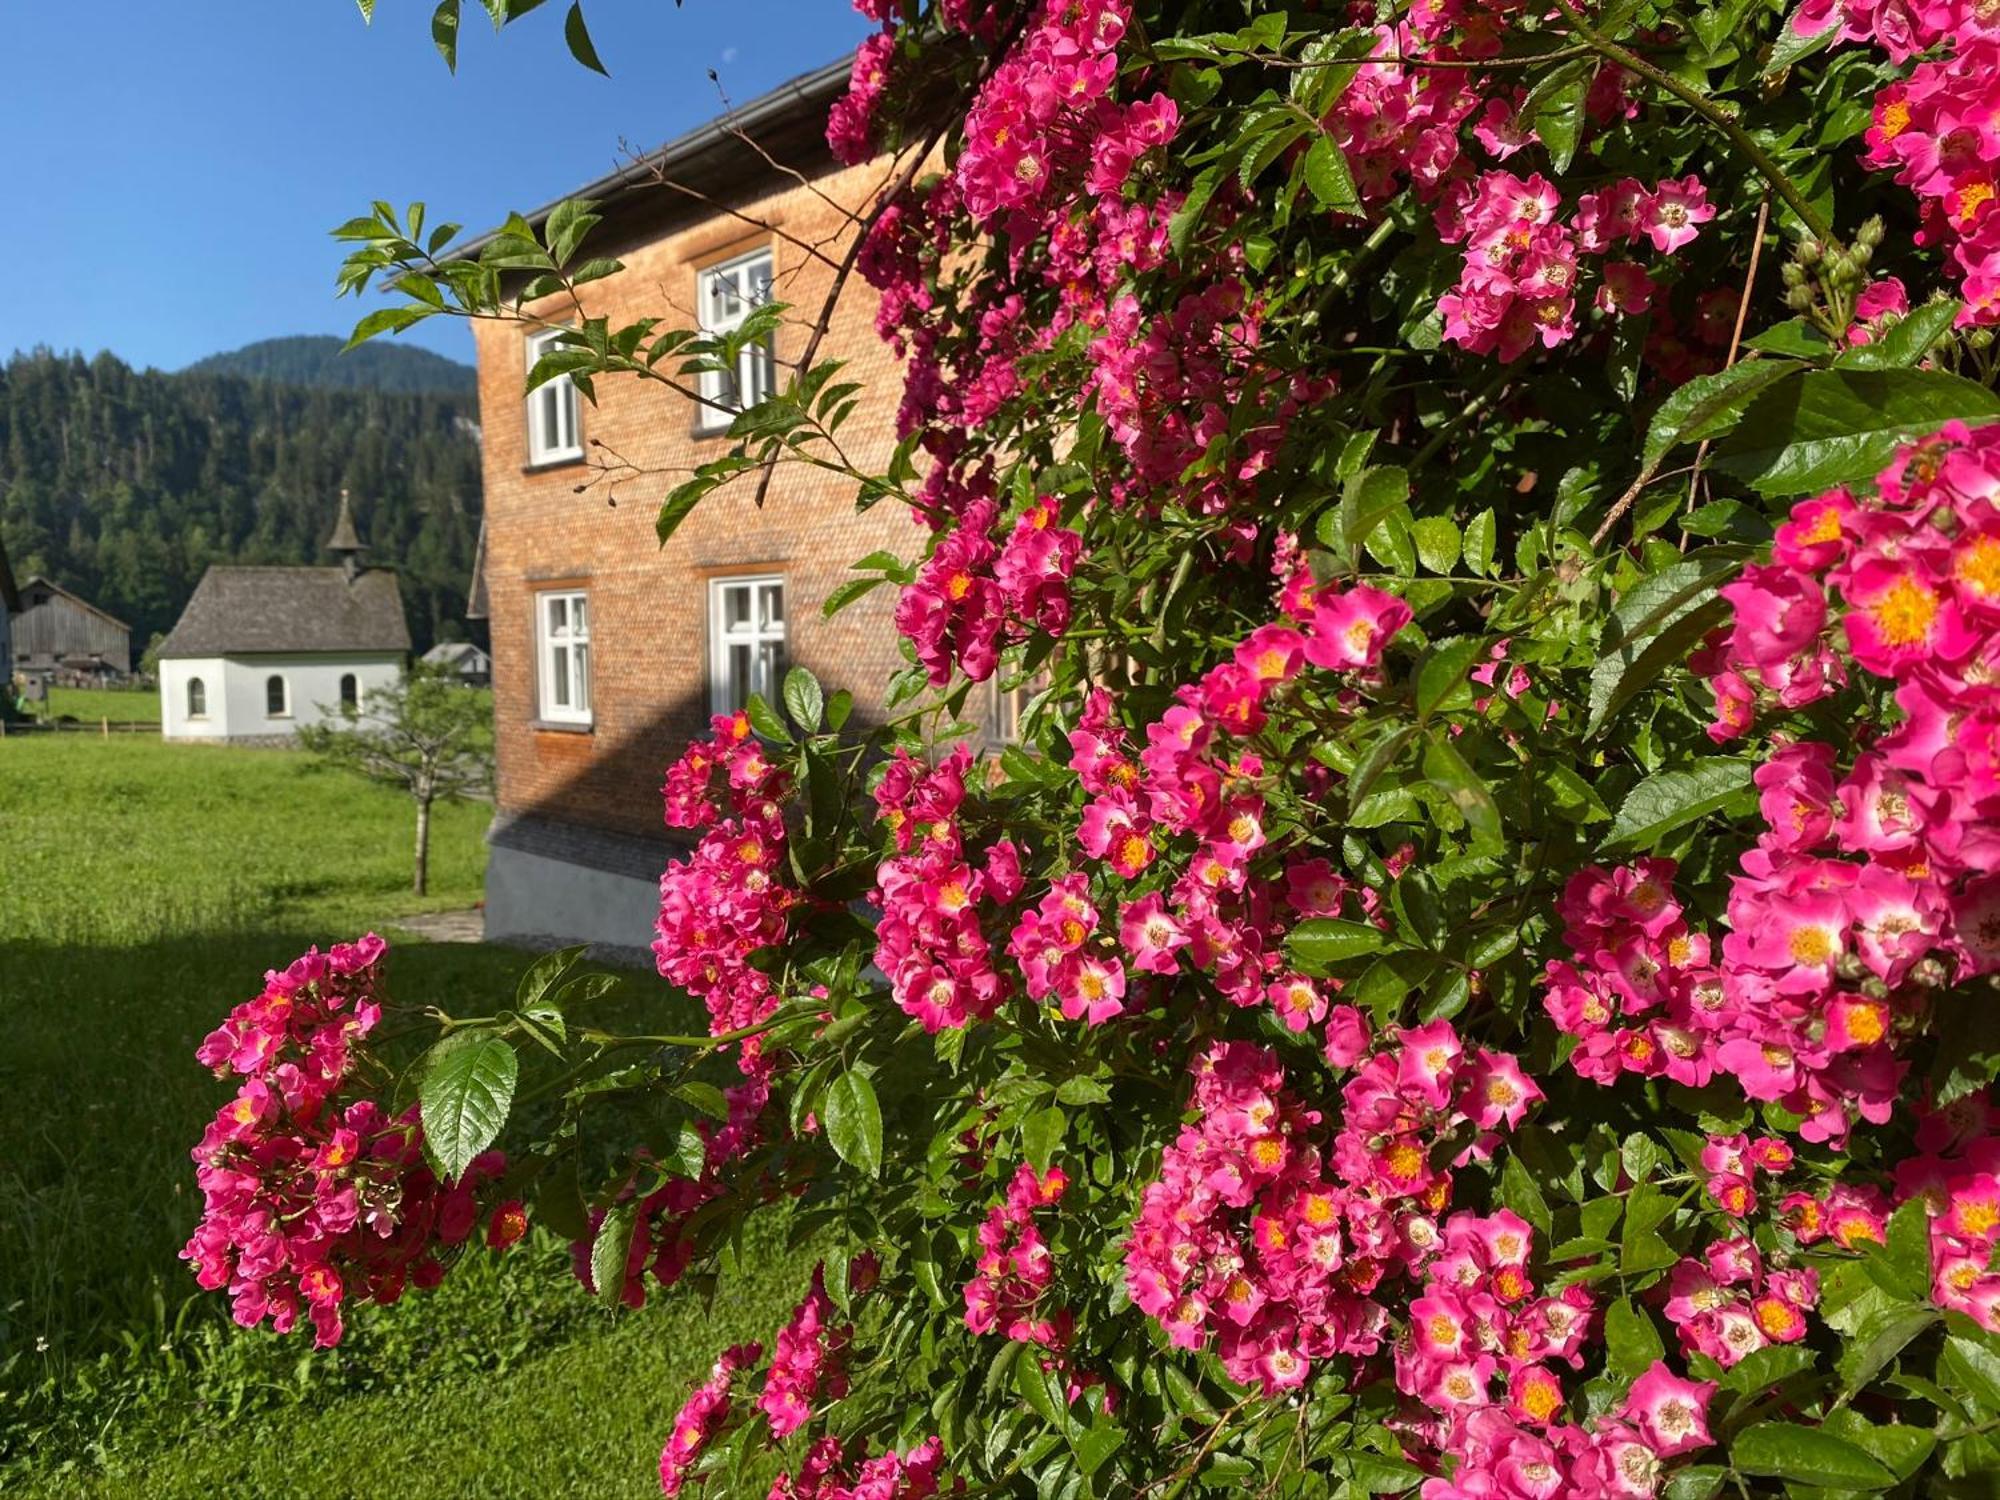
(445, 926)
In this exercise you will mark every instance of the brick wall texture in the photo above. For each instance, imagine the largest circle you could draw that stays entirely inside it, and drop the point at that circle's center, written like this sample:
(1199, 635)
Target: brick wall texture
(649, 605)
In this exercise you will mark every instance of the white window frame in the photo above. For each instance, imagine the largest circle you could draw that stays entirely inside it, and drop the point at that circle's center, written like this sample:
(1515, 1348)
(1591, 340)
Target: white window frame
(758, 632)
(348, 700)
(555, 413)
(196, 686)
(284, 709)
(757, 369)
(571, 646)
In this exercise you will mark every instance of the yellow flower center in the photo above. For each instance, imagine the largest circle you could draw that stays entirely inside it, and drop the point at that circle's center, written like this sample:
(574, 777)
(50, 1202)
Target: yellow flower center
(1541, 1399)
(1811, 945)
(1904, 613)
(1978, 567)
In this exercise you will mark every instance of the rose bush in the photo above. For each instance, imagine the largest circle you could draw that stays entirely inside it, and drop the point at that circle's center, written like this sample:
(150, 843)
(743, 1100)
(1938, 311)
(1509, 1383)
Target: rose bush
(1477, 978)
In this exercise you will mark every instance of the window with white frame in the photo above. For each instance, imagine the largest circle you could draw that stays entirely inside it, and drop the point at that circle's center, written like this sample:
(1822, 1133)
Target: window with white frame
(746, 640)
(555, 426)
(728, 294)
(197, 698)
(277, 697)
(562, 641)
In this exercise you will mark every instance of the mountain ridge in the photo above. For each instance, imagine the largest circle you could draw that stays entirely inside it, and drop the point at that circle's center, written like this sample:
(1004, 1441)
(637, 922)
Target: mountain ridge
(314, 361)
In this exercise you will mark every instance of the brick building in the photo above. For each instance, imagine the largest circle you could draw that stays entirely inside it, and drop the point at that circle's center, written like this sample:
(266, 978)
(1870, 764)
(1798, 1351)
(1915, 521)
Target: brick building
(609, 651)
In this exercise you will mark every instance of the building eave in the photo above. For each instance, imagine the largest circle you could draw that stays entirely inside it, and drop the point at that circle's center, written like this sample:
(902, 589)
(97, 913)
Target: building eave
(804, 98)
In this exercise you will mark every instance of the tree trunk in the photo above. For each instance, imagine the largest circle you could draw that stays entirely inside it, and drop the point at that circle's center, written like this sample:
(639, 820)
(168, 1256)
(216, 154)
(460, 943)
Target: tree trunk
(423, 845)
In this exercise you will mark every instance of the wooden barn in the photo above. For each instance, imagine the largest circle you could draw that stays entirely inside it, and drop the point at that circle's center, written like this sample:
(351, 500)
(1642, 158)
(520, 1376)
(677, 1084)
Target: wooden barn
(63, 635)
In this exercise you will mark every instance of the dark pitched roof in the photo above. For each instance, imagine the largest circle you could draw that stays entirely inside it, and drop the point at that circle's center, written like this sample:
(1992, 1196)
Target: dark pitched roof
(345, 538)
(249, 610)
(75, 598)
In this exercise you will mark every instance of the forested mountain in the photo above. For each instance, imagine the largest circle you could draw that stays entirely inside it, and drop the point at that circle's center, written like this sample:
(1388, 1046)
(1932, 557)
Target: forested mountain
(315, 360)
(125, 485)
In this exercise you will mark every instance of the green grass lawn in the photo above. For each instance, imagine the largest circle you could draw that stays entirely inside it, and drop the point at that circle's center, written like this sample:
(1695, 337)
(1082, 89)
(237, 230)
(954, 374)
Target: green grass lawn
(146, 888)
(119, 705)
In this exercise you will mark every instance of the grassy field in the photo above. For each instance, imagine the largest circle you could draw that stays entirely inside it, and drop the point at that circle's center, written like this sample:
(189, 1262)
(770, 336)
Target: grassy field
(119, 705)
(147, 887)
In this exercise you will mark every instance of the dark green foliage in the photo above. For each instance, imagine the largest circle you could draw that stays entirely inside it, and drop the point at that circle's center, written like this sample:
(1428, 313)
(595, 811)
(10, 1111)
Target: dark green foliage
(125, 485)
(315, 361)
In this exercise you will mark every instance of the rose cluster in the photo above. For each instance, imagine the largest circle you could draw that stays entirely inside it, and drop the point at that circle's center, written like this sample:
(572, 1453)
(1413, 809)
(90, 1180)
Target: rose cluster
(1195, 779)
(1935, 129)
(806, 1361)
(1480, 1359)
(728, 898)
(929, 939)
(973, 596)
(1519, 281)
(1015, 1268)
(312, 1193)
(830, 1472)
(660, 1241)
(1256, 1237)
(1727, 1303)
(1867, 890)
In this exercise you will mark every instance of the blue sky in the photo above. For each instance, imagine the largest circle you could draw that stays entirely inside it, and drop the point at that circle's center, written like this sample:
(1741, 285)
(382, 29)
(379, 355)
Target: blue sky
(172, 170)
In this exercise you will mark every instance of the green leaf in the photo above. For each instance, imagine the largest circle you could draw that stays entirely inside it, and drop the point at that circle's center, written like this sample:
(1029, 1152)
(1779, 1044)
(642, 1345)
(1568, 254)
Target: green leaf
(1697, 1482)
(1795, 337)
(1182, 225)
(1438, 542)
(805, 701)
(1654, 624)
(764, 719)
(854, 1123)
(1378, 758)
(1969, 1368)
(1900, 1449)
(1039, 1392)
(1557, 114)
(1041, 1133)
(384, 320)
(1710, 404)
(1450, 773)
(1794, 46)
(1670, 799)
(444, 32)
(1367, 499)
(612, 1248)
(544, 974)
(1808, 1455)
(467, 1089)
(847, 593)
(577, 35)
(1328, 177)
(1880, 1339)
(1908, 340)
(1081, 1090)
(678, 507)
(1520, 1192)
(1479, 535)
(1319, 942)
(1838, 427)
(1442, 680)
(1631, 1341)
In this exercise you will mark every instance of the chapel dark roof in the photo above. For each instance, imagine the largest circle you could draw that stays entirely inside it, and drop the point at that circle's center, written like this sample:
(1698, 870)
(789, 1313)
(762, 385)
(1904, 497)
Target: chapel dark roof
(241, 611)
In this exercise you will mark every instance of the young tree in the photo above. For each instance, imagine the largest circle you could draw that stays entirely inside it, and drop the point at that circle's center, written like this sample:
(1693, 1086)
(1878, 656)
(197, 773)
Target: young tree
(423, 733)
(1479, 977)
